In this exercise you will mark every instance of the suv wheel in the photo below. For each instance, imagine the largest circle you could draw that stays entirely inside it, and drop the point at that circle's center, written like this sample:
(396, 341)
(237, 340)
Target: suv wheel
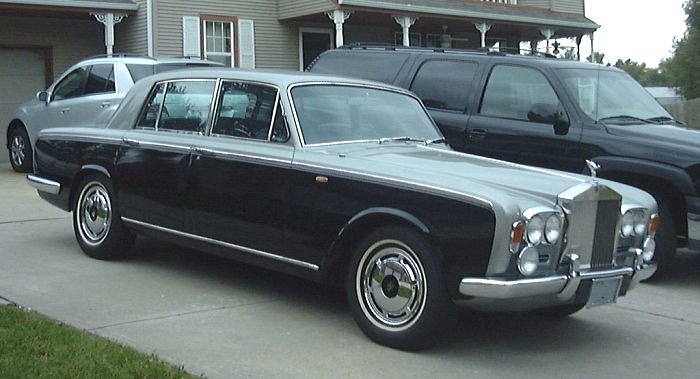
(20, 150)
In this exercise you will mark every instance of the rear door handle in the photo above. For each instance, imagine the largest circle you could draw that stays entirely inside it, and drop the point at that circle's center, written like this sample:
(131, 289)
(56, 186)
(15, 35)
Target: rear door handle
(477, 134)
(65, 110)
(105, 104)
(130, 141)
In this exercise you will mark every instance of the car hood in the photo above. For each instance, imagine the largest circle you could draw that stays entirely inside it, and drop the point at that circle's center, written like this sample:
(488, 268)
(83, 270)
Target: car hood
(671, 144)
(476, 179)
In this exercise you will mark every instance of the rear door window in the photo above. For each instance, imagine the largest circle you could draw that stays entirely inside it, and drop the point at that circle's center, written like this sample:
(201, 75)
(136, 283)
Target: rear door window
(444, 85)
(100, 79)
(179, 106)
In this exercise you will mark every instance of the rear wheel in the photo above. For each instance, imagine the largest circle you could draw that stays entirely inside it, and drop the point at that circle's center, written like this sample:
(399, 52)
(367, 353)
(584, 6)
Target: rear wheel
(96, 221)
(395, 288)
(20, 150)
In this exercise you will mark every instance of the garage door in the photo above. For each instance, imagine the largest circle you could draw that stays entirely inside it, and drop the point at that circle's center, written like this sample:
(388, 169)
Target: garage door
(22, 75)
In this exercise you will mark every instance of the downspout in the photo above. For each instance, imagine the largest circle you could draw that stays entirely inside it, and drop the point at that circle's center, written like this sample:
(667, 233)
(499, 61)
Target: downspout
(149, 26)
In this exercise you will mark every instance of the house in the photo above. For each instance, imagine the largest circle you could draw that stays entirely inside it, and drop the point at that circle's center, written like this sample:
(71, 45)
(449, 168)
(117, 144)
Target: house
(41, 38)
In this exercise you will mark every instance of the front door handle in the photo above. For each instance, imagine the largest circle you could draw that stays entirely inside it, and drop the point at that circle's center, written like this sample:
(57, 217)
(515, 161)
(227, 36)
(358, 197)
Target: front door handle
(105, 104)
(65, 110)
(477, 134)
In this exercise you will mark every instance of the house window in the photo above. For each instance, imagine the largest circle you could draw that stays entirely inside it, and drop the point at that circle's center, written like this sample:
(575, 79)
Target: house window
(218, 42)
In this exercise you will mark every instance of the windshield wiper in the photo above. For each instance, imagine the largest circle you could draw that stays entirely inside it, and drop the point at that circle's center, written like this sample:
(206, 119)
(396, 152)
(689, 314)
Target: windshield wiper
(664, 119)
(627, 118)
(436, 140)
(401, 139)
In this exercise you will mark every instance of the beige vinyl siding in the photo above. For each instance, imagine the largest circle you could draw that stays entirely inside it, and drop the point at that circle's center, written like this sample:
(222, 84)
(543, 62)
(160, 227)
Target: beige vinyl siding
(295, 8)
(131, 35)
(569, 6)
(72, 39)
(276, 44)
(536, 3)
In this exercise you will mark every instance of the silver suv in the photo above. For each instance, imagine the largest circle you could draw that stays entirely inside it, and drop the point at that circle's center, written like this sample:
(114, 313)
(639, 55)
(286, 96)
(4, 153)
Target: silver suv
(87, 94)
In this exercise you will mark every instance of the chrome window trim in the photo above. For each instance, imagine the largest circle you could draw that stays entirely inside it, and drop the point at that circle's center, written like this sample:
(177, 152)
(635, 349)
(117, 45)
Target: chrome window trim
(432, 190)
(212, 241)
(302, 141)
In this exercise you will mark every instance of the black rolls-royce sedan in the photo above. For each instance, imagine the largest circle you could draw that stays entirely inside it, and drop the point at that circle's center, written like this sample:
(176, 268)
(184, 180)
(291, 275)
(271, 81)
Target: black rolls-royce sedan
(345, 182)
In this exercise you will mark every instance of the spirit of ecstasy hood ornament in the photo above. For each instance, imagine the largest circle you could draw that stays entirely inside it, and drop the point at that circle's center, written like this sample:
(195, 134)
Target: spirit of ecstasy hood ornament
(593, 167)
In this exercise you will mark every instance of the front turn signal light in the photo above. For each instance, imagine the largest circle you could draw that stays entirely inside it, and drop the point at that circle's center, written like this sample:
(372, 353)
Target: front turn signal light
(516, 236)
(654, 223)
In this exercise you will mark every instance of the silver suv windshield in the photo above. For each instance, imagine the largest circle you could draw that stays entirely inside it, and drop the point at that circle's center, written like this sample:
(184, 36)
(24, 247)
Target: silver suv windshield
(344, 113)
(612, 97)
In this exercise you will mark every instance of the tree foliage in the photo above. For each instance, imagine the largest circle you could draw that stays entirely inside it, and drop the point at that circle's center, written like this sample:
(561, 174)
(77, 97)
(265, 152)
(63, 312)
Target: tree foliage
(684, 66)
(646, 76)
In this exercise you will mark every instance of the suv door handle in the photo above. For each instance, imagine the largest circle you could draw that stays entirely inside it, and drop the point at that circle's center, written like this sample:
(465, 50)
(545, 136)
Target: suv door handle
(65, 110)
(105, 104)
(477, 134)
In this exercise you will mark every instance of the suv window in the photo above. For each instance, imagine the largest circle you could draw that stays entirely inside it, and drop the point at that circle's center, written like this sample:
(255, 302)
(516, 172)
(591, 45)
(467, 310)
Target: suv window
(383, 67)
(100, 79)
(140, 71)
(181, 106)
(444, 84)
(72, 85)
(512, 91)
(245, 110)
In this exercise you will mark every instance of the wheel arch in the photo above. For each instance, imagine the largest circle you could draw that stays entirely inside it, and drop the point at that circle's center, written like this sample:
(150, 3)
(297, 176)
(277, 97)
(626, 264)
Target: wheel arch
(14, 124)
(665, 182)
(85, 170)
(358, 226)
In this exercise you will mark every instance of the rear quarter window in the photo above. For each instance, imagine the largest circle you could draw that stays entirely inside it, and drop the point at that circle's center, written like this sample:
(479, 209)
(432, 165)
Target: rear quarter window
(381, 67)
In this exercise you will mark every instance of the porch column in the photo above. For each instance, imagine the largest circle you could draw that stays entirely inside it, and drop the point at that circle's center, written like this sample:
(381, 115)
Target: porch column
(339, 16)
(406, 22)
(483, 27)
(578, 47)
(109, 19)
(592, 50)
(548, 34)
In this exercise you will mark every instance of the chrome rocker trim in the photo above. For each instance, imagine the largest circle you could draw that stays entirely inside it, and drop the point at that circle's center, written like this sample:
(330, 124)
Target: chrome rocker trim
(564, 286)
(248, 250)
(43, 184)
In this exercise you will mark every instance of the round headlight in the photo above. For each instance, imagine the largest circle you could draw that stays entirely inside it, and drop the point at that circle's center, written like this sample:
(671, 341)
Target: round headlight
(648, 249)
(640, 223)
(627, 224)
(528, 260)
(552, 228)
(535, 230)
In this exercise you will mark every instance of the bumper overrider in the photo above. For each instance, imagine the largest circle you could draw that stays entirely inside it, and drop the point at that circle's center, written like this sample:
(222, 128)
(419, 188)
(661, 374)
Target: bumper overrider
(563, 286)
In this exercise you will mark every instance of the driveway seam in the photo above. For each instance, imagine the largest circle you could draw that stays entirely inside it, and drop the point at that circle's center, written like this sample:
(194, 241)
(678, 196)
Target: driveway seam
(659, 315)
(182, 314)
(34, 220)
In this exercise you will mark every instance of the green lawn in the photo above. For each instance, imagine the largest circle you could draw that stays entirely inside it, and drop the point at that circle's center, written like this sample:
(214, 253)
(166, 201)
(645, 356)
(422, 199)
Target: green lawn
(33, 346)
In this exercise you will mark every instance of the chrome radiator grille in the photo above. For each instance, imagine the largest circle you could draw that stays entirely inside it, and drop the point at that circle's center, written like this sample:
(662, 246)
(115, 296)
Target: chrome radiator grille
(592, 213)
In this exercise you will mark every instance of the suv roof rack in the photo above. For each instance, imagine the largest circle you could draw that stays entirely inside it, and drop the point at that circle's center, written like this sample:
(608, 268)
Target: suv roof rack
(482, 50)
(120, 55)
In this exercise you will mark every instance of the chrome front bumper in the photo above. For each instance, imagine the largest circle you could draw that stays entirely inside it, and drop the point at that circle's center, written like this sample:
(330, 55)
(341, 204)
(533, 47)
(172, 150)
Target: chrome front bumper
(43, 184)
(564, 286)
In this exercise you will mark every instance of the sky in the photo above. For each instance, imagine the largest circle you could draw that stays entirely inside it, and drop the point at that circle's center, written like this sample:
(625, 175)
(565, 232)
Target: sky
(641, 30)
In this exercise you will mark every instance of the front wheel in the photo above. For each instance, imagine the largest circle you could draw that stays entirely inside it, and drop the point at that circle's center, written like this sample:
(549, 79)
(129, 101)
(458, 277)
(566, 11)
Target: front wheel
(20, 150)
(395, 288)
(96, 222)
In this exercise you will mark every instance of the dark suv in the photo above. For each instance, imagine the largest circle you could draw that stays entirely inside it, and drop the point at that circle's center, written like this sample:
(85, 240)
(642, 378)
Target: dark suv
(551, 113)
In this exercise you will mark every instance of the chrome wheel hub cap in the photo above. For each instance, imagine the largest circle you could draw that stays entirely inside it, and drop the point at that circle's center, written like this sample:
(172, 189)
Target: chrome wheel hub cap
(17, 150)
(393, 286)
(95, 213)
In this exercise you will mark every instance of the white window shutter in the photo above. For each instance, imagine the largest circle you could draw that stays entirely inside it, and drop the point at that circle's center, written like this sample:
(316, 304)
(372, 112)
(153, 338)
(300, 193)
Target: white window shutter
(190, 36)
(246, 44)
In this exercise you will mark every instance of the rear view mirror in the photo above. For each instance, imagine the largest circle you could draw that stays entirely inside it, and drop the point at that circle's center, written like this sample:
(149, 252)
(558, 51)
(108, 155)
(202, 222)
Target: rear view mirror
(42, 96)
(551, 114)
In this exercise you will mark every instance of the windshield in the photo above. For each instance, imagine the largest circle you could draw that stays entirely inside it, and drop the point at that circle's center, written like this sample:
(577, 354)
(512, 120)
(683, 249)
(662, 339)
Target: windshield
(342, 113)
(611, 96)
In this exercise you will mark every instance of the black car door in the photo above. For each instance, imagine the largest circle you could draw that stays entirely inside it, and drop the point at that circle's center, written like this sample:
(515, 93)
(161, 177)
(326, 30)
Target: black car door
(238, 177)
(508, 125)
(152, 164)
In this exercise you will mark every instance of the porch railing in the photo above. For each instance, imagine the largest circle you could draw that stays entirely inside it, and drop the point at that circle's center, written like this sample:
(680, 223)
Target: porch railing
(514, 2)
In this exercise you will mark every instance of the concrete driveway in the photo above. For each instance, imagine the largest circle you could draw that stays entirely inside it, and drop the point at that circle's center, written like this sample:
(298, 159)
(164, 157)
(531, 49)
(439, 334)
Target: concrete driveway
(224, 319)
